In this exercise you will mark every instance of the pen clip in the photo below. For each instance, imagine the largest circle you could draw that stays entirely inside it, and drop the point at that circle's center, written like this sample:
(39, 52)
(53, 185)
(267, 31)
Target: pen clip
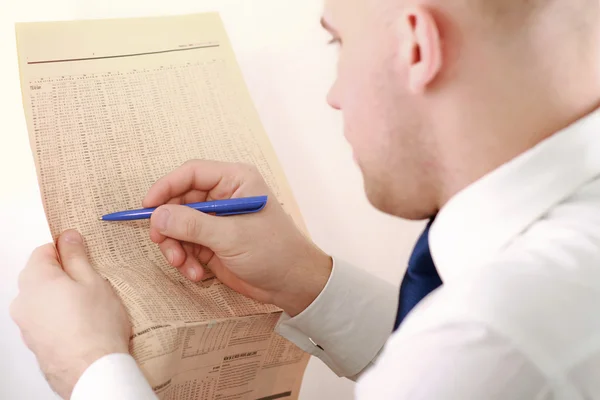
(238, 212)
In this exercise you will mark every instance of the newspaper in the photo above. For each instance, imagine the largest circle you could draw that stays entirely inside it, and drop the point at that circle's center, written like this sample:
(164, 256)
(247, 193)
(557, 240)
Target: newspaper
(113, 105)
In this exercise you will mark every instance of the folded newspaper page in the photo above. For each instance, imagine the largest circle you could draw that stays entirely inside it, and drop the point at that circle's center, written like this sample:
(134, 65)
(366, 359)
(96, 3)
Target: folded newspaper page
(112, 106)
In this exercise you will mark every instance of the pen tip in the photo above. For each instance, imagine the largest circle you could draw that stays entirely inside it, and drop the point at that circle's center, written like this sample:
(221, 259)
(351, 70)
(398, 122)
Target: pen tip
(99, 218)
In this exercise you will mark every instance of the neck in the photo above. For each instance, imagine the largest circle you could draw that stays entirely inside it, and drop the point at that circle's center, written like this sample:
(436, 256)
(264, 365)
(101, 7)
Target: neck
(498, 127)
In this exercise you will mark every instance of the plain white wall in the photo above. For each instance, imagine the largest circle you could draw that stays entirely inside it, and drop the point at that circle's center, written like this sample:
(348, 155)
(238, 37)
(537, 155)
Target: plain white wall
(288, 68)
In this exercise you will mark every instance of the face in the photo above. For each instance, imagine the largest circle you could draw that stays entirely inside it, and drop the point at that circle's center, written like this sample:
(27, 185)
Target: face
(376, 93)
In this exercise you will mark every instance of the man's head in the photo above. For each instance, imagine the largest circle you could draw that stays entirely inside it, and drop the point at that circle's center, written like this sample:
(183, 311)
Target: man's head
(436, 93)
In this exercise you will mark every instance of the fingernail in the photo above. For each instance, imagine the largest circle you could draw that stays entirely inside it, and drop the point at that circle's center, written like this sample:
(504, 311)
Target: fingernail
(192, 273)
(72, 237)
(169, 254)
(161, 218)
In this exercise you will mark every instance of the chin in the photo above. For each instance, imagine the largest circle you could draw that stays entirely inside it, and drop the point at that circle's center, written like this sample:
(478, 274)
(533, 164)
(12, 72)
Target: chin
(382, 196)
(373, 190)
(379, 197)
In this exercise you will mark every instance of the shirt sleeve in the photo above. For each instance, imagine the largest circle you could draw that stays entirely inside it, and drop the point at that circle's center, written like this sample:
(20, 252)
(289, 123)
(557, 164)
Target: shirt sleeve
(115, 377)
(348, 323)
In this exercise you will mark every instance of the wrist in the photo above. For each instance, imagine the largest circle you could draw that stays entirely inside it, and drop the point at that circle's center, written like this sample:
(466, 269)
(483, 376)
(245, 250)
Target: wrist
(65, 381)
(91, 356)
(305, 284)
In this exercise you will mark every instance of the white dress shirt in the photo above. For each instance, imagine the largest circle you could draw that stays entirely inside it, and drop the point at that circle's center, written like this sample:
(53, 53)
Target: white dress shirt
(516, 318)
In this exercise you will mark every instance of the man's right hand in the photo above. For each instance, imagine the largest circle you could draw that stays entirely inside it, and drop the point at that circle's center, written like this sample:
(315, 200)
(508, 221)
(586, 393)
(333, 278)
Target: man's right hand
(263, 256)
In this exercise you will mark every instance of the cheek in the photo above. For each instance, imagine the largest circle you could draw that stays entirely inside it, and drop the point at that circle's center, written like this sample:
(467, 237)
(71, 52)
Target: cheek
(362, 100)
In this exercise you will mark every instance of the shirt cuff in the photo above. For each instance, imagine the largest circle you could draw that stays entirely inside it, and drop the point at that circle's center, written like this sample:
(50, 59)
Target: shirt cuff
(115, 377)
(348, 323)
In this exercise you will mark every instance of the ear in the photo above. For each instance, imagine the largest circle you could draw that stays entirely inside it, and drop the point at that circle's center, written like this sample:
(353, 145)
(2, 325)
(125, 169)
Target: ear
(421, 47)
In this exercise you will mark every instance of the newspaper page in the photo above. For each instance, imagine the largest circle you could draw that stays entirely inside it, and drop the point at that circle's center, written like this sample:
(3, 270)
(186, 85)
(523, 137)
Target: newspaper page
(113, 105)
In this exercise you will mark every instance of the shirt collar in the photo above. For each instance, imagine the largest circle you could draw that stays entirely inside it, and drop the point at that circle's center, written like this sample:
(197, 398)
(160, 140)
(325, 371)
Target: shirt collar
(478, 222)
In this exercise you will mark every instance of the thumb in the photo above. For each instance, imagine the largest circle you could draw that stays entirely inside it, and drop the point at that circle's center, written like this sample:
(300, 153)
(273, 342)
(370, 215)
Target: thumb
(74, 258)
(189, 225)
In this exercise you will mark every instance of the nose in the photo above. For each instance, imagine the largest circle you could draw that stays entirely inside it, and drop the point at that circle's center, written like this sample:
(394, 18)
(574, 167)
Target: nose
(332, 97)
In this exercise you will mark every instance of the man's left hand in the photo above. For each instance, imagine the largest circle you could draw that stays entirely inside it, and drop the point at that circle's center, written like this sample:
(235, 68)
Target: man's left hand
(68, 314)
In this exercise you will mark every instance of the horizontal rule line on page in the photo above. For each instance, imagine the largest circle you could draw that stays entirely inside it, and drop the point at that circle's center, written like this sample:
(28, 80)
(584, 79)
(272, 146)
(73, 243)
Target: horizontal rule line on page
(123, 55)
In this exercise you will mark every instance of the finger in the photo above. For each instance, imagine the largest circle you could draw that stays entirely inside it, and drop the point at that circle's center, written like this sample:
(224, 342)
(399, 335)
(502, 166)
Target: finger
(156, 236)
(74, 258)
(188, 225)
(173, 252)
(175, 200)
(15, 310)
(19, 314)
(191, 267)
(195, 196)
(190, 197)
(201, 175)
(201, 253)
(42, 265)
(191, 249)
(205, 255)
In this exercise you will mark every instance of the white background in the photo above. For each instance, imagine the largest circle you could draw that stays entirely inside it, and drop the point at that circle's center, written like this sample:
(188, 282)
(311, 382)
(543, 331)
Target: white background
(288, 68)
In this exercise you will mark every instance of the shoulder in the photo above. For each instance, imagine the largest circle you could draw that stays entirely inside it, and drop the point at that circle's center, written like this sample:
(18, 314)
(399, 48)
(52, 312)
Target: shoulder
(517, 328)
(544, 304)
(523, 325)
(452, 359)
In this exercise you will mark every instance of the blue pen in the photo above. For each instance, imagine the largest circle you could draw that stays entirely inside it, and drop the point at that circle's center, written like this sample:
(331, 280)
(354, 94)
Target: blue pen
(244, 205)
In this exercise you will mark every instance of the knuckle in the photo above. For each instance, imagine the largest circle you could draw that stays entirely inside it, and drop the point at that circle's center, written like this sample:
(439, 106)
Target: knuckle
(43, 253)
(40, 250)
(237, 167)
(248, 173)
(252, 169)
(189, 166)
(245, 168)
(22, 277)
(192, 228)
(14, 311)
(190, 163)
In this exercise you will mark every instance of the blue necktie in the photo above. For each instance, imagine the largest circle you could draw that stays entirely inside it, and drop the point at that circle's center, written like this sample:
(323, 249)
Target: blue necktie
(421, 277)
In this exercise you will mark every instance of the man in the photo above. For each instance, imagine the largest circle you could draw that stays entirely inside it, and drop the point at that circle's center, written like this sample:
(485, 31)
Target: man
(478, 115)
